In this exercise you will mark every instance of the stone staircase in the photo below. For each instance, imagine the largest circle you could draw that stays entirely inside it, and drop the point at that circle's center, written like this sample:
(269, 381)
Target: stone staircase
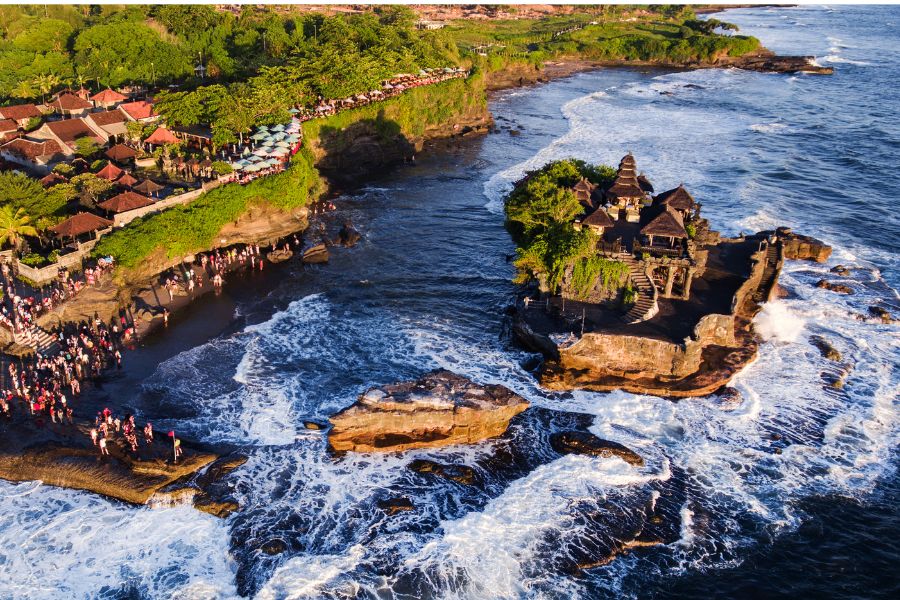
(646, 307)
(768, 277)
(38, 338)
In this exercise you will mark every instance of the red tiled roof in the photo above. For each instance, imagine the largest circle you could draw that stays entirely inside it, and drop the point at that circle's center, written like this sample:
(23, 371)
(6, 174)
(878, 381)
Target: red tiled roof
(18, 112)
(107, 117)
(69, 101)
(125, 201)
(120, 152)
(72, 129)
(127, 180)
(110, 172)
(83, 222)
(147, 186)
(162, 136)
(7, 125)
(30, 149)
(52, 179)
(138, 110)
(107, 96)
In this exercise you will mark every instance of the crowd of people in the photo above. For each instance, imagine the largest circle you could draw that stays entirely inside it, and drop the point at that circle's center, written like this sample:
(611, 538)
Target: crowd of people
(389, 89)
(21, 306)
(46, 384)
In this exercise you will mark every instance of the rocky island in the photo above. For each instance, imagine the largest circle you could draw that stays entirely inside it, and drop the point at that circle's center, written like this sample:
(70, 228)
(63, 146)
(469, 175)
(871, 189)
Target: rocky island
(439, 409)
(634, 291)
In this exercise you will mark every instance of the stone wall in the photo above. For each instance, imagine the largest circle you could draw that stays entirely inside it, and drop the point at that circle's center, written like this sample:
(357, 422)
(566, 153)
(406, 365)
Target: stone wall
(124, 218)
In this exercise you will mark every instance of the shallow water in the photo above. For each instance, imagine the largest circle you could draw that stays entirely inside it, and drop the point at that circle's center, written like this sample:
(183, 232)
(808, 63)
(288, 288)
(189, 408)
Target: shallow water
(426, 288)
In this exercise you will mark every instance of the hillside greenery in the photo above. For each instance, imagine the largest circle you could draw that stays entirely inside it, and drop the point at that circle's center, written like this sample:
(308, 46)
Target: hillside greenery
(193, 227)
(539, 214)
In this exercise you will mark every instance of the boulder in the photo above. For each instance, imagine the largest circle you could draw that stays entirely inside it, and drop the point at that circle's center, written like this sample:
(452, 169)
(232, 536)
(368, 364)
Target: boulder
(803, 247)
(348, 236)
(839, 288)
(439, 409)
(581, 442)
(279, 255)
(458, 473)
(729, 398)
(825, 348)
(841, 270)
(274, 546)
(882, 314)
(394, 505)
(316, 254)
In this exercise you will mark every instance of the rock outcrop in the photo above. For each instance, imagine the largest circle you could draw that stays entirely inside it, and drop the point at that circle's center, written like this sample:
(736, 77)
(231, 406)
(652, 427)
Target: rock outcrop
(315, 255)
(581, 442)
(839, 288)
(803, 247)
(439, 409)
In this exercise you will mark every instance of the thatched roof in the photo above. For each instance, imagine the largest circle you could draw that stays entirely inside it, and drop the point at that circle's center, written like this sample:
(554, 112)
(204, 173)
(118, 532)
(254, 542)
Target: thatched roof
(584, 185)
(678, 198)
(645, 183)
(666, 223)
(625, 187)
(125, 201)
(598, 218)
(627, 161)
(83, 222)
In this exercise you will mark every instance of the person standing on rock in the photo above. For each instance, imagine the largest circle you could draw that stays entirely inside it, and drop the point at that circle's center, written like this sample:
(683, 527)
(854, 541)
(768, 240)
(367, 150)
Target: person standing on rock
(148, 433)
(103, 450)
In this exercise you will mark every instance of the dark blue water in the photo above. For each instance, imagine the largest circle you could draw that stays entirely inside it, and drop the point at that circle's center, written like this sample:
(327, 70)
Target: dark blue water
(426, 288)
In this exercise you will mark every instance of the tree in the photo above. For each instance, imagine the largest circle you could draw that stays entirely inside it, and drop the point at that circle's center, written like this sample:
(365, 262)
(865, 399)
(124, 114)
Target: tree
(14, 223)
(135, 130)
(90, 188)
(45, 83)
(87, 146)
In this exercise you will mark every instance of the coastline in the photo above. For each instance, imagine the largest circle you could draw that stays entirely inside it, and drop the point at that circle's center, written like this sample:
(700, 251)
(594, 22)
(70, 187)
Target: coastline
(267, 226)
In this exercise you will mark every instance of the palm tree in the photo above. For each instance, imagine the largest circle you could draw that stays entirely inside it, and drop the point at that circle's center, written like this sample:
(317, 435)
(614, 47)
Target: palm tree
(13, 225)
(45, 83)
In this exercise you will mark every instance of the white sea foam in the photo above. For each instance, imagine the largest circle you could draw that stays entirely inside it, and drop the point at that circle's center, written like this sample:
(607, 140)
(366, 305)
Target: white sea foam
(776, 322)
(57, 543)
(769, 128)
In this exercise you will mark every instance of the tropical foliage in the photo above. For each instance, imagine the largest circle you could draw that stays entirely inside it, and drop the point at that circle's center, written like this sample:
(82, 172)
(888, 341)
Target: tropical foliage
(14, 223)
(539, 214)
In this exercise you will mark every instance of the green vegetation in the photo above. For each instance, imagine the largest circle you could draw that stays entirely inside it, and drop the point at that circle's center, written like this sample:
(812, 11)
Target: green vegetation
(539, 214)
(589, 270)
(691, 230)
(193, 227)
(665, 34)
(44, 207)
(14, 223)
(629, 295)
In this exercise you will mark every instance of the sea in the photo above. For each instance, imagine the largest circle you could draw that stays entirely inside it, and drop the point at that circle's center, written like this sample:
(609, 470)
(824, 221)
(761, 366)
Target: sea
(791, 493)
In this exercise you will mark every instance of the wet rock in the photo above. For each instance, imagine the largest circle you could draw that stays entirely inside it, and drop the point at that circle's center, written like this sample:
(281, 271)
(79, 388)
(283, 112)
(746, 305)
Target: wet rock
(458, 473)
(841, 270)
(802, 247)
(274, 546)
(882, 314)
(315, 255)
(439, 409)
(279, 255)
(580, 442)
(348, 236)
(729, 398)
(840, 288)
(515, 132)
(314, 425)
(221, 508)
(394, 505)
(825, 348)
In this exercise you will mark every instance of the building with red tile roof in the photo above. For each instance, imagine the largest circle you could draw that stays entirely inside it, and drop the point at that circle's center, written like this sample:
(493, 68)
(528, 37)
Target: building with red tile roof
(107, 98)
(139, 111)
(20, 113)
(35, 155)
(68, 103)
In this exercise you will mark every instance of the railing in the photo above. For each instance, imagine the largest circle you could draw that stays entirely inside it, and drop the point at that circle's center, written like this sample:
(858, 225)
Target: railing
(659, 250)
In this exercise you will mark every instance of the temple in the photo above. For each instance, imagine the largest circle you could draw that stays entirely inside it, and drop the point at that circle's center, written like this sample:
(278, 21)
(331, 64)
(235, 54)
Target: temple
(662, 235)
